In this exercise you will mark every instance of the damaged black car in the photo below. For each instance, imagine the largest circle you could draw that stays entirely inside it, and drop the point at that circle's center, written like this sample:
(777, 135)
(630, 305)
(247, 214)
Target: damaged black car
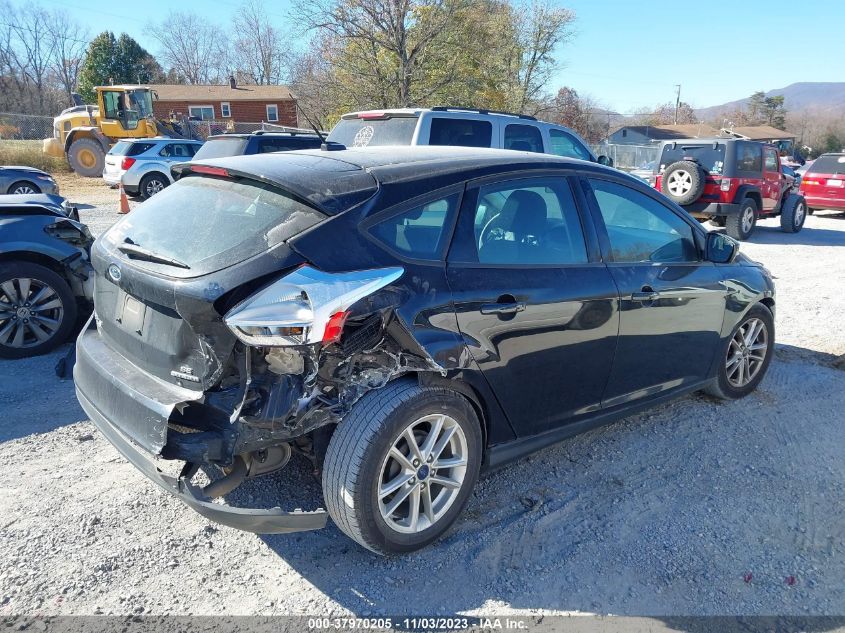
(405, 318)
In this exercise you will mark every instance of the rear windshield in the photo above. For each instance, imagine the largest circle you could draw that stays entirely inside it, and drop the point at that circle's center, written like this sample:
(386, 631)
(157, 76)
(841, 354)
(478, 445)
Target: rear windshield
(395, 130)
(220, 147)
(286, 143)
(712, 160)
(828, 164)
(129, 148)
(210, 223)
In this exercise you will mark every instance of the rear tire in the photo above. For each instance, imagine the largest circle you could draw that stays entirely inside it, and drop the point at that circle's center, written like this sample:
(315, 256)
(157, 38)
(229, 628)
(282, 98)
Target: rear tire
(87, 158)
(37, 310)
(368, 466)
(793, 213)
(742, 347)
(741, 225)
(23, 187)
(152, 184)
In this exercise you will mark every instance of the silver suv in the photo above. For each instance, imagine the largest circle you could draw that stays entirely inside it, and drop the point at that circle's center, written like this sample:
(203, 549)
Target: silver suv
(143, 165)
(443, 125)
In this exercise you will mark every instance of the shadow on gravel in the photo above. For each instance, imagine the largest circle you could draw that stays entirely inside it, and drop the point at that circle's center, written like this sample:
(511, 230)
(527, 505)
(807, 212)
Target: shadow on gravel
(807, 237)
(33, 399)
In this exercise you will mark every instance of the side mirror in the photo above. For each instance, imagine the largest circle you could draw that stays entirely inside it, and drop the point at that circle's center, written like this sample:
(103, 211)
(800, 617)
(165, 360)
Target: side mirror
(605, 160)
(720, 248)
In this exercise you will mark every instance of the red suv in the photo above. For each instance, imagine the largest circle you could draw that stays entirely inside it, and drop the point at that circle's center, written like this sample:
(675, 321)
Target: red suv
(824, 183)
(731, 182)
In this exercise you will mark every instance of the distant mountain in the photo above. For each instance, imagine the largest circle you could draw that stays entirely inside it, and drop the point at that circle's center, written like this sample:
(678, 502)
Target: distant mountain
(822, 97)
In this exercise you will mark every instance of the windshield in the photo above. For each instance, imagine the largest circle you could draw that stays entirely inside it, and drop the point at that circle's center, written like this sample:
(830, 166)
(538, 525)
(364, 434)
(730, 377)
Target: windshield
(828, 164)
(220, 147)
(355, 132)
(211, 223)
(712, 160)
(141, 101)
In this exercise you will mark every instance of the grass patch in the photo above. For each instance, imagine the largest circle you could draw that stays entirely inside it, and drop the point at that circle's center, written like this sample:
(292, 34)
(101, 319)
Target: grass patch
(29, 153)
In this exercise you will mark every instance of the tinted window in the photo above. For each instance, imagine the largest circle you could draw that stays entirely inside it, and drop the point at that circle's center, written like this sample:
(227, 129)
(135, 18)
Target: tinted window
(136, 149)
(226, 222)
(713, 160)
(564, 144)
(219, 147)
(828, 164)
(528, 222)
(640, 228)
(419, 232)
(463, 132)
(749, 157)
(357, 132)
(177, 150)
(283, 144)
(523, 138)
(771, 160)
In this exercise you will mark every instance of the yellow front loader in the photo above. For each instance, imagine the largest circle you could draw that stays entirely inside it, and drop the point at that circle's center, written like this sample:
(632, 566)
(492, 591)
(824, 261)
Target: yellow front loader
(85, 133)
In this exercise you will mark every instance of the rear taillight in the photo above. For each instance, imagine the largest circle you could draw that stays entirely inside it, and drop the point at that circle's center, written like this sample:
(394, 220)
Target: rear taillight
(126, 163)
(810, 181)
(305, 306)
(725, 184)
(371, 115)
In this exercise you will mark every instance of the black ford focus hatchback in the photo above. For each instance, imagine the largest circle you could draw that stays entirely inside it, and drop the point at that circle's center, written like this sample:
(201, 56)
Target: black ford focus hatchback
(406, 318)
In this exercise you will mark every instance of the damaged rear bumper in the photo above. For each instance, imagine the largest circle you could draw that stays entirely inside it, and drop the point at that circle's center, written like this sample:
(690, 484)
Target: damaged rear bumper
(106, 389)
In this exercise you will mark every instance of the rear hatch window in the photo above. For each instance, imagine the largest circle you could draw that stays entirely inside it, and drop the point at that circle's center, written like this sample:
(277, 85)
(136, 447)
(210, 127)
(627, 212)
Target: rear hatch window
(373, 131)
(710, 158)
(129, 148)
(204, 224)
(828, 164)
(220, 147)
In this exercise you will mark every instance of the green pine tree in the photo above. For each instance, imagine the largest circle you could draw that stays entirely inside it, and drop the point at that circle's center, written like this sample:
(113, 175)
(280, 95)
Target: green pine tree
(116, 60)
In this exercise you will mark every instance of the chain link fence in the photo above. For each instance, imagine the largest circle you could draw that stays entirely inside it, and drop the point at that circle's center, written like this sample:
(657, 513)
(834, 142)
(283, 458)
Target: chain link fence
(25, 127)
(629, 156)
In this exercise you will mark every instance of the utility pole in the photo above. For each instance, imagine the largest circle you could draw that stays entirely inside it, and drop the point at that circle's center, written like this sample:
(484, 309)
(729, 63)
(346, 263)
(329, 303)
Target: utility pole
(677, 102)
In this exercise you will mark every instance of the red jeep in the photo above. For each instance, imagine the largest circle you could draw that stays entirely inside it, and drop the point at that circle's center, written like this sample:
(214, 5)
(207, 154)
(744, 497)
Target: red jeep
(731, 182)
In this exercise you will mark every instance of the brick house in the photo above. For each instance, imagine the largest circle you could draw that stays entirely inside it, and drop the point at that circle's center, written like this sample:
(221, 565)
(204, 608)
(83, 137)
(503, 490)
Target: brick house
(240, 104)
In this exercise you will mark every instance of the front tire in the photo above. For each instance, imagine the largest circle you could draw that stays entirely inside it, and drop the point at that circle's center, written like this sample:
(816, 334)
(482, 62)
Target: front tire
(37, 310)
(401, 465)
(23, 187)
(746, 357)
(741, 225)
(793, 213)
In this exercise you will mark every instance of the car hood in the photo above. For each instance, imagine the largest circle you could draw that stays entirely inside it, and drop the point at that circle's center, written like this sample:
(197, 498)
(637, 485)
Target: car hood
(31, 170)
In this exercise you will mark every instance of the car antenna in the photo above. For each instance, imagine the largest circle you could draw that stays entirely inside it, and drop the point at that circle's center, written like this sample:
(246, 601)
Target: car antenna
(311, 123)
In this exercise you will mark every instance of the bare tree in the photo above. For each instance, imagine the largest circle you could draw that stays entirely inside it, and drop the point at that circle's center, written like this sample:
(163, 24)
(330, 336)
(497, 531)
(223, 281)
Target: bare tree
(69, 43)
(389, 39)
(28, 53)
(259, 51)
(192, 47)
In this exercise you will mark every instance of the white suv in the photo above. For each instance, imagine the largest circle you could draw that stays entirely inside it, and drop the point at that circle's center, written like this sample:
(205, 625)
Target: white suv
(458, 126)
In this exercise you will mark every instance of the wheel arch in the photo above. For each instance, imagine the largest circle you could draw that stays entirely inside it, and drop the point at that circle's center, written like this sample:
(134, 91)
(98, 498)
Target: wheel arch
(87, 132)
(431, 379)
(748, 191)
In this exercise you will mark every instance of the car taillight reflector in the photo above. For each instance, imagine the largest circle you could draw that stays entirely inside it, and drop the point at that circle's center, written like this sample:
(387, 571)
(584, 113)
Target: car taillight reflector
(334, 328)
(126, 163)
(211, 171)
(725, 185)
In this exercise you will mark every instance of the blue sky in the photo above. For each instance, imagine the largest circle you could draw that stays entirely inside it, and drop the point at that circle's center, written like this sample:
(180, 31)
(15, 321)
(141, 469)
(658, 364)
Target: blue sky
(625, 54)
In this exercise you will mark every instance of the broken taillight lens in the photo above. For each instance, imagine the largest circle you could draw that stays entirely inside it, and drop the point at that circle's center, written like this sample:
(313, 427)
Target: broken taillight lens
(305, 306)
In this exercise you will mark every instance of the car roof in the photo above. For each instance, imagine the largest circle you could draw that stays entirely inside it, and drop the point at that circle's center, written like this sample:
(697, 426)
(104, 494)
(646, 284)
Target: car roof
(158, 139)
(309, 135)
(707, 141)
(358, 172)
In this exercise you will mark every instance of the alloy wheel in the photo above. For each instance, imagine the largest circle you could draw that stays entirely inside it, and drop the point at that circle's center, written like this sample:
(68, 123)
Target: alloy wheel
(24, 190)
(800, 212)
(154, 186)
(679, 182)
(747, 220)
(747, 352)
(422, 474)
(31, 312)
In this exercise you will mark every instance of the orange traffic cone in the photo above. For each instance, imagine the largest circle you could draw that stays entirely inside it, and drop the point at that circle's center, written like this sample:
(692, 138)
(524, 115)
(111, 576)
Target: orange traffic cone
(124, 201)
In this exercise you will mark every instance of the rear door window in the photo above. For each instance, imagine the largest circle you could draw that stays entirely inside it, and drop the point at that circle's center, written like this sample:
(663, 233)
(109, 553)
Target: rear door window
(418, 233)
(371, 132)
(284, 144)
(461, 132)
(523, 138)
(771, 160)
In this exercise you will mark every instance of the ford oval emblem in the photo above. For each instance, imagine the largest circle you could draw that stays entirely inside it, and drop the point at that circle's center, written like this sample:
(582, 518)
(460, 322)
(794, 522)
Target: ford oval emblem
(114, 272)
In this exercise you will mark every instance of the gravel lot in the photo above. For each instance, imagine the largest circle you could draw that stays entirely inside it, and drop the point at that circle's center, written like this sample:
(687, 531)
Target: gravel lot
(696, 507)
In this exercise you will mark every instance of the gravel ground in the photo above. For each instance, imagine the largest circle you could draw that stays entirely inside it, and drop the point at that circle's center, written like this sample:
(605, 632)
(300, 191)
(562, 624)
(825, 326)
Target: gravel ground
(696, 507)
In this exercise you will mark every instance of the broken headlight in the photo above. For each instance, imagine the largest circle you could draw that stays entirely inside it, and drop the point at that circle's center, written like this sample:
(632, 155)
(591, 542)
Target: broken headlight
(305, 306)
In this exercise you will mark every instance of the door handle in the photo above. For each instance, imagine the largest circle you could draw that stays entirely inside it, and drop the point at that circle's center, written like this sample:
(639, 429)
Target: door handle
(502, 308)
(648, 294)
